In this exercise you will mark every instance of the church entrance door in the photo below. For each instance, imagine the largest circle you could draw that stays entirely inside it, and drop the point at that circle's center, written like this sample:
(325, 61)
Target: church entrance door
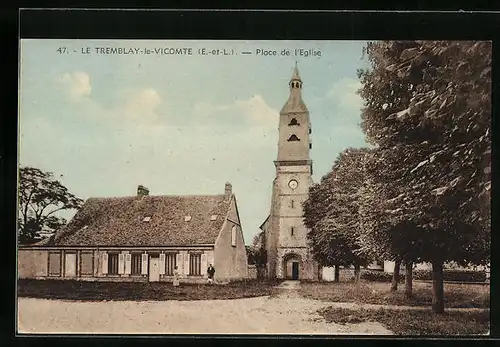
(291, 267)
(295, 270)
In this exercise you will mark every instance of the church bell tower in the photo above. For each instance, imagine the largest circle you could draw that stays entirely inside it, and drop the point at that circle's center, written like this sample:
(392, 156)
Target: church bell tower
(288, 254)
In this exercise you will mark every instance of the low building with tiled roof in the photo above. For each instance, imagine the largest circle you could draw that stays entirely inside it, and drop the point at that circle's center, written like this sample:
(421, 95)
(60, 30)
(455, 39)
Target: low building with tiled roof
(143, 238)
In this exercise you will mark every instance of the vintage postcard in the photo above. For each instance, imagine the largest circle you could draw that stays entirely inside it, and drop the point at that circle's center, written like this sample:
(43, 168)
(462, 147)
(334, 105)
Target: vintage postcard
(254, 187)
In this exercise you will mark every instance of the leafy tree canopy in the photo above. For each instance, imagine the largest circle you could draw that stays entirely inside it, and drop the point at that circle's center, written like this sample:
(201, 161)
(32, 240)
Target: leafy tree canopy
(428, 111)
(41, 196)
(331, 212)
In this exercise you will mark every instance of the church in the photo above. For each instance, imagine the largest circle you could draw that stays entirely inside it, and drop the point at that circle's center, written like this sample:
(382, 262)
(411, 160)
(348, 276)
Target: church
(285, 235)
(288, 256)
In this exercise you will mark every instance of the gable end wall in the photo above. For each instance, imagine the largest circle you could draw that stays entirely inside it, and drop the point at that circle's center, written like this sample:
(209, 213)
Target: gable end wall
(230, 262)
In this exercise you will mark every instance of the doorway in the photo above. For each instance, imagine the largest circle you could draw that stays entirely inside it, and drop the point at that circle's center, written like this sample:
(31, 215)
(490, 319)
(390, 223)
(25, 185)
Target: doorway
(154, 269)
(295, 270)
(291, 267)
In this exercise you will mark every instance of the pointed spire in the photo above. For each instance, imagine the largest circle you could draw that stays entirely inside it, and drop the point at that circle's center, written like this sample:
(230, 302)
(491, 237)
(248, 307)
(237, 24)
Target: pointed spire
(295, 102)
(295, 75)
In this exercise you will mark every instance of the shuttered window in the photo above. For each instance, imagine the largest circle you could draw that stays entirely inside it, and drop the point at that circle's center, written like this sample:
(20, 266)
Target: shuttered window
(170, 263)
(195, 264)
(136, 264)
(55, 264)
(86, 263)
(113, 264)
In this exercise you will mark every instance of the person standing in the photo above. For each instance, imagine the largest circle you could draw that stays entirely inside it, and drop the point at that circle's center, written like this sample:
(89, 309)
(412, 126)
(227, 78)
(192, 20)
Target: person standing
(210, 273)
(176, 277)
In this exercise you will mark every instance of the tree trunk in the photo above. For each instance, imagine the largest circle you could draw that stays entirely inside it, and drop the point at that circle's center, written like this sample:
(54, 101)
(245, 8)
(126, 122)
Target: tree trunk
(337, 274)
(409, 279)
(437, 287)
(395, 275)
(357, 274)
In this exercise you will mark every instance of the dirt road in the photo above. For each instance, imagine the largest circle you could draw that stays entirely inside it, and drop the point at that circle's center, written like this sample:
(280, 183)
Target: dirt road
(284, 314)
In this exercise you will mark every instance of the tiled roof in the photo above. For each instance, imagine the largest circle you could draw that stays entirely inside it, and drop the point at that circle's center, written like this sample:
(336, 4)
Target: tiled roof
(121, 221)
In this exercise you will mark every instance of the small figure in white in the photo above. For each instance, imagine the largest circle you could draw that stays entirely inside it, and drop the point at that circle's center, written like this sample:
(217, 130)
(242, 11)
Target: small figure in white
(210, 273)
(176, 277)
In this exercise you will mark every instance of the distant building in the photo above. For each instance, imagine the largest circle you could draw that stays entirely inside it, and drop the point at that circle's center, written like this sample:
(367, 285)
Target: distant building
(142, 238)
(288, 255)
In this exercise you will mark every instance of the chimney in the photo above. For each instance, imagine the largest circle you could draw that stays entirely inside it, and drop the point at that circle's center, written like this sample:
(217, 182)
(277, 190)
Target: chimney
(142, 191)
(228, 191)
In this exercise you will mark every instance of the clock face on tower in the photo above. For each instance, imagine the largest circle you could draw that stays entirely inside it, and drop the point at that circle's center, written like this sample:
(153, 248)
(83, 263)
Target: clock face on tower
(293, 184)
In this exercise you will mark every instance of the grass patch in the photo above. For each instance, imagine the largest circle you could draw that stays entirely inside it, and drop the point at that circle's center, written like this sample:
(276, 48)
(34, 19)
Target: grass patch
(456, 295)
(138, 291)
(413, 322)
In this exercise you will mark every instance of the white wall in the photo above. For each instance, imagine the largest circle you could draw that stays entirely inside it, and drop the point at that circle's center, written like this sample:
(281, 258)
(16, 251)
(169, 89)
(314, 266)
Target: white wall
(328, 273)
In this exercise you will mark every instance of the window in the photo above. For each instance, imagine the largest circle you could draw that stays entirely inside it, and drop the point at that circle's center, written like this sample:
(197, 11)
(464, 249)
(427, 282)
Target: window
(233, 236)
(55, 264)
(291, 204)
(195, 264)
(310, 130)
(113, 264)
(136, 264)
(86, 263)
(187, 218)
(293, 138)
(170, 263)
(293, 122)
(310, 145)
(292, 230)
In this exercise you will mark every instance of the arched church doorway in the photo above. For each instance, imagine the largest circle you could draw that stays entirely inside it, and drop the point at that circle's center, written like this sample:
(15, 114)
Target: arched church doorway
(292, 266)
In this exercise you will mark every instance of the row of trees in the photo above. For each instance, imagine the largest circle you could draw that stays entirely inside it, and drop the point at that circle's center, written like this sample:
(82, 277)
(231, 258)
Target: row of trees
(421, 193)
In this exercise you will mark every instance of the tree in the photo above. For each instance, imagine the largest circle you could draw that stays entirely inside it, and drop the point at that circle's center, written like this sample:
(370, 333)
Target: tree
(331, 212)
(41, 196)
(431, 169)
(256, 252)
(387, 232)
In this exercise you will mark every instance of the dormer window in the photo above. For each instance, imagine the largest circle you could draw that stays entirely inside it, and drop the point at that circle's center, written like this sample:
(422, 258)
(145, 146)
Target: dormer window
(187, 218)
(147, 219)
(293, 138)
(213, 217)
(293, 122)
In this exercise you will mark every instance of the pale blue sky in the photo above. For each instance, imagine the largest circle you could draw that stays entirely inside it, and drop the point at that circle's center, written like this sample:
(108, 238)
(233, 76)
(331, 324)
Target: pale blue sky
(180, 124)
